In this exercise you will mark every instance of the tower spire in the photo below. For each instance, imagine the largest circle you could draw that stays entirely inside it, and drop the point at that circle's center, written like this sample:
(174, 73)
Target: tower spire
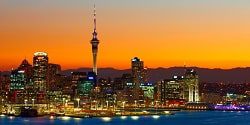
(95, 33)
(94, 18)
(94, 42)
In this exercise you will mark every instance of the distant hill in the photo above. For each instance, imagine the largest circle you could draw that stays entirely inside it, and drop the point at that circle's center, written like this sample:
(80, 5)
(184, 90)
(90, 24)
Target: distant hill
(235, 75)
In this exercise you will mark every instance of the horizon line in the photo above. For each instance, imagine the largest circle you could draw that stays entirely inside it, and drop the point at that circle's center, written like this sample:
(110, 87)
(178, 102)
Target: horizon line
(239, 67)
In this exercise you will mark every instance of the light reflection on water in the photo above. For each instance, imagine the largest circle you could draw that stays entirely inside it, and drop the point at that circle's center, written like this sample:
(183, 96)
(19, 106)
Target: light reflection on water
(156, 116)
(124, 117)
(135, 117)
(106, 119)
(185, 117)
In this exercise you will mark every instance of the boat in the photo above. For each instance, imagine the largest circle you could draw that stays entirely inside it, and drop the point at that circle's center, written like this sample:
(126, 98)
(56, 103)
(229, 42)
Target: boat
(168, 113)
(88, 116)
(60, 114)
(28, 112)
(11, 113)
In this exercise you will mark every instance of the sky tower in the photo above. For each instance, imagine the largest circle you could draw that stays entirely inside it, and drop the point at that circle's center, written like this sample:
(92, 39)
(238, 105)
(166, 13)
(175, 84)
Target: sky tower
(94, 42)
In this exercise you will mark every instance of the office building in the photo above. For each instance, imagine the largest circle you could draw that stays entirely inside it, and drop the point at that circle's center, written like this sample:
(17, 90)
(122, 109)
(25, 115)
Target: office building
(40, 67)
(191, 89)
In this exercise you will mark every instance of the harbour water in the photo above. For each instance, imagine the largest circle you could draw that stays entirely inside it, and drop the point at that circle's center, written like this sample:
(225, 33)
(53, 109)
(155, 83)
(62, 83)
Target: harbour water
(180, 118)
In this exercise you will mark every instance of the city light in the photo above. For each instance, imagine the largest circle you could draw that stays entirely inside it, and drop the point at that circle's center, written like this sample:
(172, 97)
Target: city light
(123, 117)
(11, 117)
(38, 86)
(40, 54)
(51, 117)
(66, 118)
(106, 119)
(77, 119)
(166, 112)
(155, 116)
(135, 117)
(78, 102)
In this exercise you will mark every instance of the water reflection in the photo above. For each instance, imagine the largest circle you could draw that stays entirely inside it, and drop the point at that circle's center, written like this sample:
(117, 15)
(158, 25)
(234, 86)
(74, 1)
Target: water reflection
(123, 117)
(156, 116)
(106, 119)
(66, 118)
(219, 118)
(135, 117)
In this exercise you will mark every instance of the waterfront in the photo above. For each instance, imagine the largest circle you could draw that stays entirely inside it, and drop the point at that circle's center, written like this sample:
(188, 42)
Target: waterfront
(180, 118)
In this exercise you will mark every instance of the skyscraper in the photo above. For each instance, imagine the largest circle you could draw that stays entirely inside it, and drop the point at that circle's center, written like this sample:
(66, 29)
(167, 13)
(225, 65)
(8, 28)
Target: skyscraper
(138, 72)
(28, 71)
(191, 89)
(40, 66)
(52, 73)
(18, 80)
(94, 42)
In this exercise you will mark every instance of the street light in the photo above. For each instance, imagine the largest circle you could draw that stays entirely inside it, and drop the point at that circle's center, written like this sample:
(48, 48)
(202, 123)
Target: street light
(114, 104)
(123, 104)
(78, 102)
(25, 102)
(107, 104)
(95, 102)
(33, 102)
(156, 106)
(135, 103)
(66, 103)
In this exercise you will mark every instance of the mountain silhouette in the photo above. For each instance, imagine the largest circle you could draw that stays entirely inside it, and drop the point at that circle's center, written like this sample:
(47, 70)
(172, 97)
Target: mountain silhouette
(234, 75)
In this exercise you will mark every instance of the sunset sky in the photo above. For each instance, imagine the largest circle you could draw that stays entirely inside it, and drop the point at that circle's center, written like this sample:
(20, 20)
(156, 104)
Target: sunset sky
(163, 33)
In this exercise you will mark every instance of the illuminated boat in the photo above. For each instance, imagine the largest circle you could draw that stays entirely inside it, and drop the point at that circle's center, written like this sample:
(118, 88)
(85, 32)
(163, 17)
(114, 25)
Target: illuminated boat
(28, 112)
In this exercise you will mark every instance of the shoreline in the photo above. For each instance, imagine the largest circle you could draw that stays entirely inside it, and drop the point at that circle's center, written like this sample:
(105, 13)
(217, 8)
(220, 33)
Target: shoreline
(121, 115)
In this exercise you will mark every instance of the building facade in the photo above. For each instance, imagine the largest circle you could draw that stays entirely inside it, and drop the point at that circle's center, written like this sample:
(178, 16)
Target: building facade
(18, 80)
(40, 67)
(138, 72)
(191, 87)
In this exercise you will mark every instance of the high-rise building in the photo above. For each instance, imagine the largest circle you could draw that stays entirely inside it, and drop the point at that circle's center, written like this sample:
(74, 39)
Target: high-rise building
(5, 83)
(92, 77)
(1, 81)
(94, 42)
(106, 86)
(124, 82)
(138, 72)
(139, 78)
(28, 71)
(52, 75)
(77, 75)
(75, 78)
(127, 81)
(82, 84)
(86, 85)
(169, 91)
(148, 90)
(40, 67)
(21, 76)
(18, 83)
(18, 80)
(191, 89)
(172, 89)
(118, 85)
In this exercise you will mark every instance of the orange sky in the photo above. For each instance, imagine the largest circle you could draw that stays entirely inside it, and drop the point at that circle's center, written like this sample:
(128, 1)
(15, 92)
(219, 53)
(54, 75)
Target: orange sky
(163, 34)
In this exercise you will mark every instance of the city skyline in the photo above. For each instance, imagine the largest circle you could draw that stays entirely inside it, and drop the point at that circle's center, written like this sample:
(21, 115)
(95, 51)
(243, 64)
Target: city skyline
(214, 37)
(124, 61)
